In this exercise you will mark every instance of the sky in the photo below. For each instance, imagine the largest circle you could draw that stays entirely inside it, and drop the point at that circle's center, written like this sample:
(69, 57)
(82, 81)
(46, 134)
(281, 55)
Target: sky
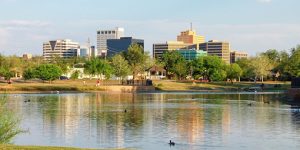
(253, 26)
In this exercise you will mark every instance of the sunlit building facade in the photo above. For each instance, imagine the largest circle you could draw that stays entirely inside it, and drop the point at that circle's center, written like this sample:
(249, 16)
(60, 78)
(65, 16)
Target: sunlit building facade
(160, 49)
(217, 48)
(190, 37)
(60, 48)
(104, 35)
(236, 55)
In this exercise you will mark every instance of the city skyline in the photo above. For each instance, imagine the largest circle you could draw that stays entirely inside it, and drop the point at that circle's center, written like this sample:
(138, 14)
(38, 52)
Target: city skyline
(256, 27)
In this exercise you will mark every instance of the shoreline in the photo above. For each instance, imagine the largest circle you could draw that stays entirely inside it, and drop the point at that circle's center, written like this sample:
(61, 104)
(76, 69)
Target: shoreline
(159, 86)
(150, 92)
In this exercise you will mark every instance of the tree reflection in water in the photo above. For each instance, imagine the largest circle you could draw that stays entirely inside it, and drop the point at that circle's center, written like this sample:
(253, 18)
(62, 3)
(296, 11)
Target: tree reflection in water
(99, 120)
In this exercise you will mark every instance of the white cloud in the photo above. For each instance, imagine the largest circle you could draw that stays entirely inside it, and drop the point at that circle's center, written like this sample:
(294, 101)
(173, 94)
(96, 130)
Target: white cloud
(20, 36)
(264, 1)
(17, 24)
(252, 38)
(255, 38)
(3, 36)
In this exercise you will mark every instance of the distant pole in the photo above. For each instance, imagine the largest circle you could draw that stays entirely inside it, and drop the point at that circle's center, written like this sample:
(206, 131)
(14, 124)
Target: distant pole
(191, 26)
(89, 48)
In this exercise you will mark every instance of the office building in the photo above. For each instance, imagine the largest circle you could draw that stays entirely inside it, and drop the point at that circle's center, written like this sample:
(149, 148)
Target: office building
(60, 48)
(115, 46)
(190, 37)
(84, 51)
(217, 48)
(104, 35)
(159, 49)
(94, 52)
(236, 55)
(192, 54)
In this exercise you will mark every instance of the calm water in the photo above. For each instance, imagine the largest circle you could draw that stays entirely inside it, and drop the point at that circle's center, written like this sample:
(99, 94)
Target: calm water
(192, 120)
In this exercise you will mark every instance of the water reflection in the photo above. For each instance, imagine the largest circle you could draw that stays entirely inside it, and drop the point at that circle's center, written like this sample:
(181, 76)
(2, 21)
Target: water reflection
(99, 120)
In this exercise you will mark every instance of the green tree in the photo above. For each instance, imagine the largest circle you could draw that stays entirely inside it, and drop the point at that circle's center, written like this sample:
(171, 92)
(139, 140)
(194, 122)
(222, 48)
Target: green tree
(48, 72)
(6, 73)
(173, 62)
(180, 68)
(272, 54)
(98, 66)
(136, 59)
(9, 124)
(29, 74)
(90, 67)
(75, 75)
(63, 63)
(293, 65)
(214, 68)
(234, 71)
(120, 66)
(210, 67)
(262, 66)
(105, 69)
(247, 68)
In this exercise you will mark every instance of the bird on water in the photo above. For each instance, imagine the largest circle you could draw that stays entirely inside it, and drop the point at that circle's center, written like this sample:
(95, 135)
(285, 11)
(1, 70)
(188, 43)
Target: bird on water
(27, 101)
(171, 143)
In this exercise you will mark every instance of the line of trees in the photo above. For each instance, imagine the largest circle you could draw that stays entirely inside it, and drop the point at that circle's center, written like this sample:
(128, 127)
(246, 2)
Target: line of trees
(270, 65)
(132, 62)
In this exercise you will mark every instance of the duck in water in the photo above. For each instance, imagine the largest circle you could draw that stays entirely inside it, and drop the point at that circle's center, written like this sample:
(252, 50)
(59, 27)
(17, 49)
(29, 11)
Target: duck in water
(172, 143)
(27, 101)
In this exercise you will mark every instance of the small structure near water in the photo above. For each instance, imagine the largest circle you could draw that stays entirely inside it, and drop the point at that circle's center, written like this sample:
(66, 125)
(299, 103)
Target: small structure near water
(294, 92)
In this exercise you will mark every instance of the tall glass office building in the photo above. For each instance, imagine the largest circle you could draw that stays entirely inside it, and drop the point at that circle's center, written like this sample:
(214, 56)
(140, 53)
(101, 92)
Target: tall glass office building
(115, 46)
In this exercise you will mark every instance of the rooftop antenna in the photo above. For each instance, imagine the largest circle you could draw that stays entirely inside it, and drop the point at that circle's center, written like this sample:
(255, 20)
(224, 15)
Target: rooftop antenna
(89, 42)
(191, 26)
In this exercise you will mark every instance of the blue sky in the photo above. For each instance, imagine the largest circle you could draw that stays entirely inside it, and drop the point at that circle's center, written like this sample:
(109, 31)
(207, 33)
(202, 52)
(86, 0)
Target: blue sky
(249, 25)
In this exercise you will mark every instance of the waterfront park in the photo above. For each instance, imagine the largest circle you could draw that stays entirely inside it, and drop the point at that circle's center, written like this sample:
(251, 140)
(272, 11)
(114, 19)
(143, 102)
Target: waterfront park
(122, 104)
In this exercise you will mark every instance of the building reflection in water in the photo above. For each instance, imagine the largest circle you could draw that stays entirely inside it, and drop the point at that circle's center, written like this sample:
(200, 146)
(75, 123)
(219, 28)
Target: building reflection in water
(195, 119)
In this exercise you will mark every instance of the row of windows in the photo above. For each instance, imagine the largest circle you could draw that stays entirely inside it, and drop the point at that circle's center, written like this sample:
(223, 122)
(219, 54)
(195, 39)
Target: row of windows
(106, 32)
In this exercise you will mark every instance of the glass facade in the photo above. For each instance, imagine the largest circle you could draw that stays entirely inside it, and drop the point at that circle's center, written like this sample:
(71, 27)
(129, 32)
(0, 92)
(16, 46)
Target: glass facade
(192, 54)
(115, 46)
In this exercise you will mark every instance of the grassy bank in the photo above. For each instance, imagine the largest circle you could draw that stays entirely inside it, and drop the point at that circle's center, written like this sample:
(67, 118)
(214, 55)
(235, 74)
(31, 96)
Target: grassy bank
(164, 85)
(15, 147)
(59, 85)
(169, 85)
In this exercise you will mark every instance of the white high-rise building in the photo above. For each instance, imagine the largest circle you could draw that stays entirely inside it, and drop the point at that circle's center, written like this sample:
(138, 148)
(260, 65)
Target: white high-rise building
(103, 35)
(60, 48)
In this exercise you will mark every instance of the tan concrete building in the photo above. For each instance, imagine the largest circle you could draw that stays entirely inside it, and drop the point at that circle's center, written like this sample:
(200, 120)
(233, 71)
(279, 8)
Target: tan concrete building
(27, 56)
(60, 48)
(159, 49)
(190, 37)
(236, 55)
(217, 48)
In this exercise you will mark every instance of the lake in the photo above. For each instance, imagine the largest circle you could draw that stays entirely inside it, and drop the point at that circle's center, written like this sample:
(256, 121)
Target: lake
(149, 120)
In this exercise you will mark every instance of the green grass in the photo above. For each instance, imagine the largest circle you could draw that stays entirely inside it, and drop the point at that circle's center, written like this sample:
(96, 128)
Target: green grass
(66, 85)
(164, 85)
(16, 147)
(170, 85)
